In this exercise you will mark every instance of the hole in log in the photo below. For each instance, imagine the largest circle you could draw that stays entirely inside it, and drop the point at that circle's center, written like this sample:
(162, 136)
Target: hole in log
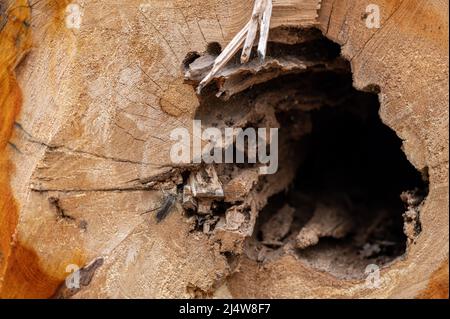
(348, 197)
(344, 195)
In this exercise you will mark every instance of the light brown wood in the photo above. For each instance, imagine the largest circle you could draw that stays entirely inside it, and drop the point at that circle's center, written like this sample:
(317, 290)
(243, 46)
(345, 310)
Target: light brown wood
(99, 103)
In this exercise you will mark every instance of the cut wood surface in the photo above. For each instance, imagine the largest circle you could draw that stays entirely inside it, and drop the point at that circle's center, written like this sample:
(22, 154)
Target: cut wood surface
(85, 121)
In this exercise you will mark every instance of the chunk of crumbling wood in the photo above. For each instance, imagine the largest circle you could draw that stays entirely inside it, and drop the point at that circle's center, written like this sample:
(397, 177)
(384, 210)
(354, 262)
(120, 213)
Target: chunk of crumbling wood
(413, 201)
(236, 78)
(327, 221)
(238, 188)
(232, 230)
(189, 203)
(278, 226)
(205, 183)
(204, 186)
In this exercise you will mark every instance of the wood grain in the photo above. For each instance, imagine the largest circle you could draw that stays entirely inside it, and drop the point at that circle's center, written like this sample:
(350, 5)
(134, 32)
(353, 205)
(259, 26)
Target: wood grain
(97, 105)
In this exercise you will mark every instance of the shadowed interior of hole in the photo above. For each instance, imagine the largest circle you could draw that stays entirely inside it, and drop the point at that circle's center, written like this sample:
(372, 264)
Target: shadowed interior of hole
(350, 154)
(349, 160)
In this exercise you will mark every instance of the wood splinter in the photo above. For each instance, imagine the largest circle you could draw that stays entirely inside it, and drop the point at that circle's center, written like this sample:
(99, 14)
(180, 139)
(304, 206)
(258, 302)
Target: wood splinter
(262, 12)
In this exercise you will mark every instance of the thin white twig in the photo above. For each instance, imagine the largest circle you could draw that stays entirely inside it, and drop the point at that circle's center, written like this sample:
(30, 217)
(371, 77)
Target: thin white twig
(265, 27)
(224, 57)
(251, 34)
(262, 12)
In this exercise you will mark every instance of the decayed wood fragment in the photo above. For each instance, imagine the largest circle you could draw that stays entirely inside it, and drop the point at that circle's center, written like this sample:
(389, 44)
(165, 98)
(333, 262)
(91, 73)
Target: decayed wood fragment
(239, 187)
(189, 203)
(205, 183)
(278, 226)
(328, 221)
(235, 78)
(204, 187)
